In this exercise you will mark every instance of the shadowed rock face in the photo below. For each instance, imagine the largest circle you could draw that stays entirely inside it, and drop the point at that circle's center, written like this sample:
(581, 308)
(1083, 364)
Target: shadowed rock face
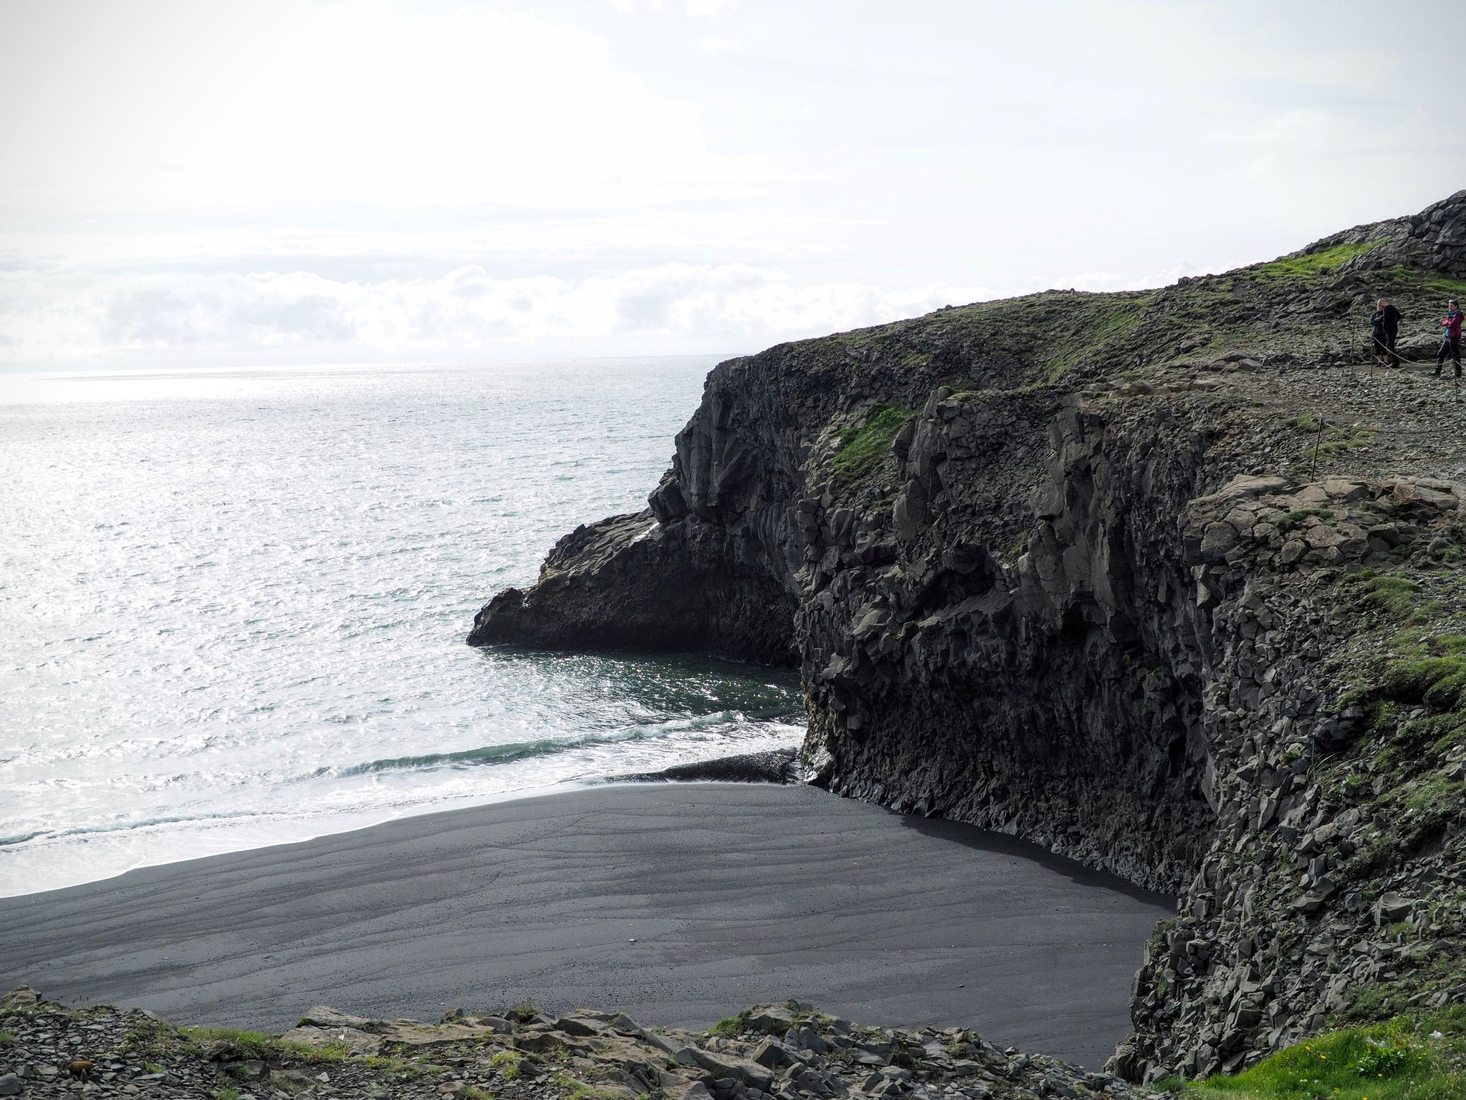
(631, 583)
(1095, 570)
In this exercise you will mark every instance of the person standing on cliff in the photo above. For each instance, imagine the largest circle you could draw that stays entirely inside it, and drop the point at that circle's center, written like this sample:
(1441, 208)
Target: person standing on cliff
(1385, 326)
(1450, 338)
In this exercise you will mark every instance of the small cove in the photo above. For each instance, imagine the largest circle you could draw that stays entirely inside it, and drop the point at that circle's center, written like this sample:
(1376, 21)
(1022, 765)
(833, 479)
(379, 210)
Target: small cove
(676, 903)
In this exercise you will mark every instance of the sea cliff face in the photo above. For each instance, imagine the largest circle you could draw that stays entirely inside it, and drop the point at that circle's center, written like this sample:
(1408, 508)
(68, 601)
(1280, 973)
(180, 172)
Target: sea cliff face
(1163, 580)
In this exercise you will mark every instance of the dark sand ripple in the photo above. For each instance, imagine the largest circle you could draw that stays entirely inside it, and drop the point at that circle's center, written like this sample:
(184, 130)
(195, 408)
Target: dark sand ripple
(677, 903)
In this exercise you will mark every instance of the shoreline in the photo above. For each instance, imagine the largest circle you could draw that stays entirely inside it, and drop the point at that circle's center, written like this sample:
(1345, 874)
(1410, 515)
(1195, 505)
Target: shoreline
(779, 765)
(676, 903)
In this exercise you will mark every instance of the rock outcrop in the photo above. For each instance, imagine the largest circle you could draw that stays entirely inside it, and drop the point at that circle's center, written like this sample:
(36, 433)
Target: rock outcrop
(769, 1052)
(1163, 580)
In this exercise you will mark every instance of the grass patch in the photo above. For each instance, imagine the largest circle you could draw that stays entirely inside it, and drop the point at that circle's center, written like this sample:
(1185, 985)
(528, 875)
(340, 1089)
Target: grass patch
(576, 1089)
(1450, 288)
(147, 1041)
(1427, 669)
(6, 1039)
(1305, 422)
(400, 1068)
(737, 1025)
(1435, 792)
(1436, 681)
(251, 1044)
(523, 1012)
(1005, 343)
(1315, 263)
(1340, 440)
(1405, 1058)
(256, 1044)
(727, 1027)
(508, 1063)
(1099, 329)
(1299, 517)
(863, 446)
(1379, 1001)
(1391, 593)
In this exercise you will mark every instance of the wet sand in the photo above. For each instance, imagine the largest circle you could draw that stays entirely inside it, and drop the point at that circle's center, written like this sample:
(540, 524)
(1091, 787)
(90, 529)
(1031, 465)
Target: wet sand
(676, 903)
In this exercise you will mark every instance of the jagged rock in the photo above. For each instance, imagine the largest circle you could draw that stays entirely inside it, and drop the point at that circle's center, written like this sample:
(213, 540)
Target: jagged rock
(770, 1018)
(773, 1055)
(19, 998)
(748, 1072)
(1392, 907)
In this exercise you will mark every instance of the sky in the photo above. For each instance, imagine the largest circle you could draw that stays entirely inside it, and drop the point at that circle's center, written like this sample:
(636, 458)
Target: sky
(196, 182)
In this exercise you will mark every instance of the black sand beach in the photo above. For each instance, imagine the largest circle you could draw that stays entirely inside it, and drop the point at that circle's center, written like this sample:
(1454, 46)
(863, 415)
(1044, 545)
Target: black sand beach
(677, 903)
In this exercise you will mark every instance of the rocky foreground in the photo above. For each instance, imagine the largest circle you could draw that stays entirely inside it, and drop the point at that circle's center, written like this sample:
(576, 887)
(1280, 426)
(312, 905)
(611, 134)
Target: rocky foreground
(788, 1052)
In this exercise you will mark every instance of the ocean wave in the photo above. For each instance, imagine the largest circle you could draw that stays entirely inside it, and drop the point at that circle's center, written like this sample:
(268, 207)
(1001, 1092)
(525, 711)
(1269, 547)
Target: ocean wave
(510, 752)
(127, 826)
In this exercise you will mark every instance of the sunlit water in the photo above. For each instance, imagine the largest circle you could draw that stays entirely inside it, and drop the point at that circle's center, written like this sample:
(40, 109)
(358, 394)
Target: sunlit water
(232, 604)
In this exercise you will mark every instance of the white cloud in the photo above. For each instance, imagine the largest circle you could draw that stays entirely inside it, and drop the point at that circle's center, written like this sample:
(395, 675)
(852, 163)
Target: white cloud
(698, 9)
(58, 318)
(177, 105)
(446, 177)
(711, 8)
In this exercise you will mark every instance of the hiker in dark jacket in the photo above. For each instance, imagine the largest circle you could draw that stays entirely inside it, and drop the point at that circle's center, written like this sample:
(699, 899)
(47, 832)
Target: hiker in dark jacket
(1450, 338)
(1385, 328)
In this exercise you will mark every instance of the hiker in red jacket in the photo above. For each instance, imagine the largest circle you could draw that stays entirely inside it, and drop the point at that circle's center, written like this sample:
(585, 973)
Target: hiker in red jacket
(1451, 338)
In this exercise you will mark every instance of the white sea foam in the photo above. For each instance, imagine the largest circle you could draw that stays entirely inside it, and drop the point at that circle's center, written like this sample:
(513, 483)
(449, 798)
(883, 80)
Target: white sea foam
(232, 604)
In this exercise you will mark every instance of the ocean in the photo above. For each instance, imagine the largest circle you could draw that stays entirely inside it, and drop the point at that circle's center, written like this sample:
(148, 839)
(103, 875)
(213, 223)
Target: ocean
(233, 604)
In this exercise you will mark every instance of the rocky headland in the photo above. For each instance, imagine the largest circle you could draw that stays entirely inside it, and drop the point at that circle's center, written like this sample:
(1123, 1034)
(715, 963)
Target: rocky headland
(1168, 581)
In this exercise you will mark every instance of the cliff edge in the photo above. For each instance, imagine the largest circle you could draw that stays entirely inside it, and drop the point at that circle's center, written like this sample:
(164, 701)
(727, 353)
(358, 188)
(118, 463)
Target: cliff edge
(1165, 580)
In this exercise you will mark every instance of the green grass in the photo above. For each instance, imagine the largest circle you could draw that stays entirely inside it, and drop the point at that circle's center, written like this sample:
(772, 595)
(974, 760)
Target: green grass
(1433, 793)
(1436, 680)
(1014, 342)
(253, 1044)
(1305, 422)
(523, 1012)
(1406, 1058)
(862, 446)
(576, 1089)
(507, 1062)
(6, 1039)
(1449, 288)
(1418, 290)
(256, 1044)
(1342, 439)
(400, 1068)
(1391, 593)
(147, 1038)
(1299, 517)
(1441, 972)
(737, 1025)
(727, 1027)
(1099, 328)
(1427, 669)
(1315, 263)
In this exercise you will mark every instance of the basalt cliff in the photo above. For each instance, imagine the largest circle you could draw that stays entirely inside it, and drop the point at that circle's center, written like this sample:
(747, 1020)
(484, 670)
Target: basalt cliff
(1168, 581)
